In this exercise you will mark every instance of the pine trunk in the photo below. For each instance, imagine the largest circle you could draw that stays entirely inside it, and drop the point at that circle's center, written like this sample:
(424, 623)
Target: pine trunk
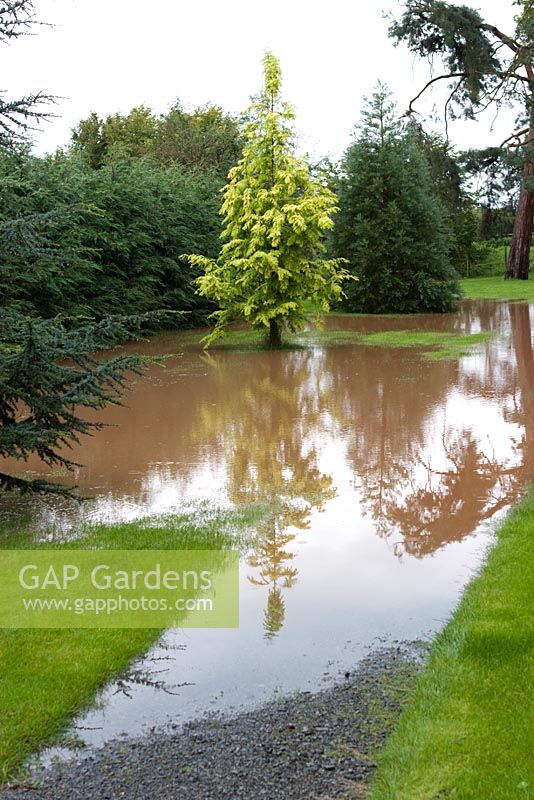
(524, 356)
(275, 336)
(519, 259)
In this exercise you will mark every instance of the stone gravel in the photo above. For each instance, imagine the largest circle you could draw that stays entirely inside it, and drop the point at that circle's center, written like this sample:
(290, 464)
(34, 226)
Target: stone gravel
(312, 746)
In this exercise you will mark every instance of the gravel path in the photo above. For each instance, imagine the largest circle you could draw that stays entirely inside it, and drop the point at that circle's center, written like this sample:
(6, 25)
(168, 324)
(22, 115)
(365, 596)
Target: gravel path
(307, 746)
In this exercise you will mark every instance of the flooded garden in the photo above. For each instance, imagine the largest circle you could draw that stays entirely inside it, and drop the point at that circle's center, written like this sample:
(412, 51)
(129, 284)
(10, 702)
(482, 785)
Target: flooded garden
(377, 473)
(266, 401)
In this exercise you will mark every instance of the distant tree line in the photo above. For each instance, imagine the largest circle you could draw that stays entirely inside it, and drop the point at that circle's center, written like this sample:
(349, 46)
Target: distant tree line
(114, 211)
(205, 140)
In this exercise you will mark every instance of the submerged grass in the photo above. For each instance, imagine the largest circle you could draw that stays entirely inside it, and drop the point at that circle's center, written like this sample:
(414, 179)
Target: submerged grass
(497, 288)
(435, 345)
(49, 676)
(467, 732)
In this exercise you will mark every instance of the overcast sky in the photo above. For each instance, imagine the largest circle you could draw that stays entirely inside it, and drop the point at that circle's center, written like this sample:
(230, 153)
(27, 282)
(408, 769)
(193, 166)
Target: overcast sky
(110, 55)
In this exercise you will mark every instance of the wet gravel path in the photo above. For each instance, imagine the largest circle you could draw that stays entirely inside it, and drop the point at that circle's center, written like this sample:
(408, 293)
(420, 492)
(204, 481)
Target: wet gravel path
(307, 746)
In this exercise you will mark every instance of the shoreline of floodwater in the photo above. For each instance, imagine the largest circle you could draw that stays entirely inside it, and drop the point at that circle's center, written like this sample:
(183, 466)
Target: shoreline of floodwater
(322, 742)
(467, 730)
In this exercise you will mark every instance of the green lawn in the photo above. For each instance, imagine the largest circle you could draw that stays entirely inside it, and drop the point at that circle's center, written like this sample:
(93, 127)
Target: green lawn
(468, 730)
(49, 676)
(434, 345)
(496, 288)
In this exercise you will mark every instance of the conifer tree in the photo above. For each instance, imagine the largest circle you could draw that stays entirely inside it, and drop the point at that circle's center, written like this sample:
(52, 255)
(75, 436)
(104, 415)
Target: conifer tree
(391, 227)
(48, 372)
(276, 214)
(483, 66)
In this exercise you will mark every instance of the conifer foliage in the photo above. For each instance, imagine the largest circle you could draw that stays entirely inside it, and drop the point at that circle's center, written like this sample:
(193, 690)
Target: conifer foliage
(483, 66)
(48, 372)
(270, 267)
(391, 226)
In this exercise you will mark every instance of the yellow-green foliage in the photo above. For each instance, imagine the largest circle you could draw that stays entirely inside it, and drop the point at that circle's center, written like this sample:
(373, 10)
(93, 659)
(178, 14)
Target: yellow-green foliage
(276, 214)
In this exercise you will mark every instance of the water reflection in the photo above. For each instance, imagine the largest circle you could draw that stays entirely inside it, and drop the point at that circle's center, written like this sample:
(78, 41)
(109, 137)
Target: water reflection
(523, 408)
(433, 448)
(270, 432)
(381, 473)
(440, 447)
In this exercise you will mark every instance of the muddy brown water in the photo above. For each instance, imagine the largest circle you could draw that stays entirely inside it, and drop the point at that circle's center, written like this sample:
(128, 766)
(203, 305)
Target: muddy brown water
(384, 474)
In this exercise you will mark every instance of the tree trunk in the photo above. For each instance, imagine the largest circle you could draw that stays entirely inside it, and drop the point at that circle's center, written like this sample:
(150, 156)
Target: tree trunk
(275, 336)
(524, 356)
(519, 259)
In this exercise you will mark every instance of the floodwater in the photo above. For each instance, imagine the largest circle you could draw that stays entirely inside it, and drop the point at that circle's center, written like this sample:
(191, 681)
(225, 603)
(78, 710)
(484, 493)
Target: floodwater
(383, 473)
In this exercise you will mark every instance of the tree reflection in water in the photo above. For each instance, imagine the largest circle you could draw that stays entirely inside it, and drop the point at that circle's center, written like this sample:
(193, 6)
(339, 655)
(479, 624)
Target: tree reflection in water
(419, 505)
(426, 476)
(432, 448)
(270, 433)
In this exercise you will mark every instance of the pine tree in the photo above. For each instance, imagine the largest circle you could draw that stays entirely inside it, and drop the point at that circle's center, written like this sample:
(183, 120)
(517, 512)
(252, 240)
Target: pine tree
(391, 227)
(276, 214)
(483, 66)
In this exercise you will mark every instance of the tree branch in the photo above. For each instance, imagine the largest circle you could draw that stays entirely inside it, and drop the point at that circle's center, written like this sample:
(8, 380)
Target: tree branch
(462, 75)
(515, 136)
(525, 143)
(492, 95)
(520, 77)
(17, 117)
(507, 40)
(447, 104)
(15, 17)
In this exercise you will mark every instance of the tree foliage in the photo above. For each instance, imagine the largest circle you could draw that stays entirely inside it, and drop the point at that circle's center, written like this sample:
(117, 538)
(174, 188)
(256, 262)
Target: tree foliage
(392, 223)
(483, 66)
(449, 183)
(458, 35)
(496, 173)
(48, 374)
(105, 239)
(205, 140)
(276, 214)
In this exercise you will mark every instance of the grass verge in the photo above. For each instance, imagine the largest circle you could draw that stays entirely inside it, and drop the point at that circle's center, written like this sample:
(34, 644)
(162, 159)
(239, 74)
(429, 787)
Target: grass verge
(497, 288)
(49, 676)
(467, 732)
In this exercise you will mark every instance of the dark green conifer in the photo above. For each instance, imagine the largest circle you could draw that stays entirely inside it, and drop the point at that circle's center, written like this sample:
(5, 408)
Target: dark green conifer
(391, 225)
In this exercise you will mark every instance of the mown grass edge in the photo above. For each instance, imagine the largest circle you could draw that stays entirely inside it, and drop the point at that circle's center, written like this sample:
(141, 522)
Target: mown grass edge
(467, 731)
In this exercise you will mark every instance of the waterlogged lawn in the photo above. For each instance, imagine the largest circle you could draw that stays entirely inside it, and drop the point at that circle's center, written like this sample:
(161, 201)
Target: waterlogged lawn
(497, 288)
(49, 676)
(434, 345)
(467, 732)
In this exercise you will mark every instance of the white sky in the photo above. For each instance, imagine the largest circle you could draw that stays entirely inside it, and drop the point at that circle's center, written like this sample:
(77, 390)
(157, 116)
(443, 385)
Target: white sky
(110, 55)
